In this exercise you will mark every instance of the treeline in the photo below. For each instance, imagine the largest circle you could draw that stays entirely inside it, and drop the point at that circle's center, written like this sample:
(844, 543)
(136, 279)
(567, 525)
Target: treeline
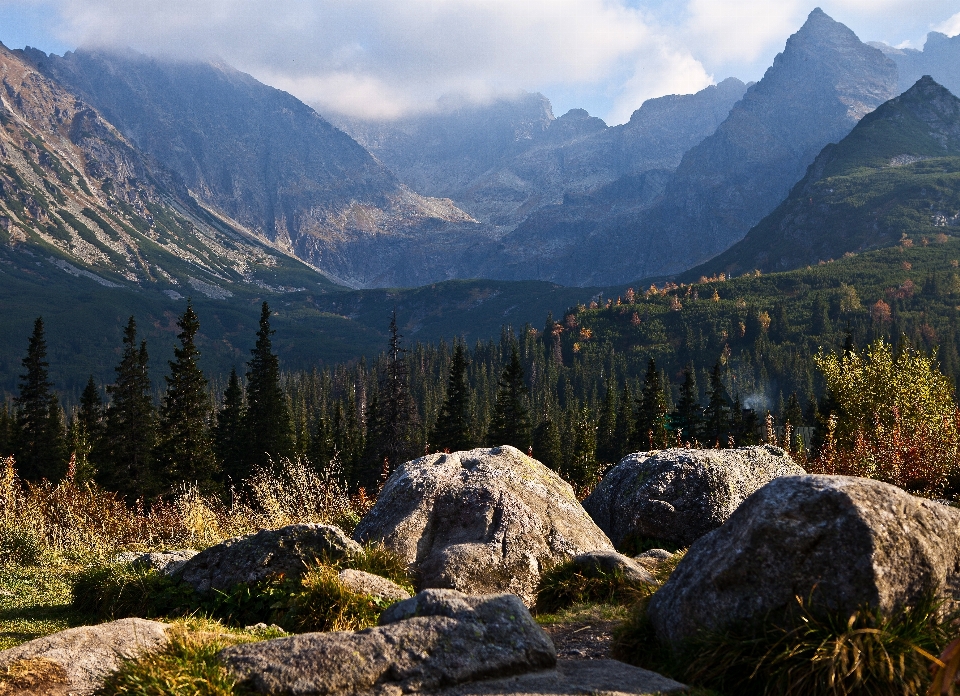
(701, 363)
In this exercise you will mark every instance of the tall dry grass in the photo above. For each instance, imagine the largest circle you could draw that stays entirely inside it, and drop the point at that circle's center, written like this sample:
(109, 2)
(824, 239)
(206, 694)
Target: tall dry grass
(81, 522)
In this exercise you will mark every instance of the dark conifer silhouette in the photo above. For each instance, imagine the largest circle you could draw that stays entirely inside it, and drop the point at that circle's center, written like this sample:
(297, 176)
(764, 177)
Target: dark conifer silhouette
(266, 422)
(687, 418)
(716, 425)
(547, 447)
(40, 449)
(626, 419)
(510, 423)
(228, 435)
(608, 449)
(130, 424)
(185, 445)
(651, 427)
(452, 431)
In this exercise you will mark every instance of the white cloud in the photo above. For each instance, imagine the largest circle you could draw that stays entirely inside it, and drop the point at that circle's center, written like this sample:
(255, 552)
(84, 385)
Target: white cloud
(951, 27)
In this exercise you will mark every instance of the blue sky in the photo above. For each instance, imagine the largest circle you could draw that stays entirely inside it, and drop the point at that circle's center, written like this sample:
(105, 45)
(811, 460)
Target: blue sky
(386, 58)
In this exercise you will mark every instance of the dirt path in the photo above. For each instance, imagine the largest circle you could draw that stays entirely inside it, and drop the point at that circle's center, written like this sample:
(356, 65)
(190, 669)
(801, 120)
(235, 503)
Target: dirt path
(587, 640)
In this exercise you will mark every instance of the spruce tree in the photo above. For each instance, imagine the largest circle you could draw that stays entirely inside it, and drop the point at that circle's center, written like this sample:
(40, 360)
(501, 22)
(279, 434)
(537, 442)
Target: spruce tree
(185, 445)
(452, 430)
(40, 449)
(626, 419)
(716, 424)
(85, 435)
(651, 429)
(547, 448)
(130, 423)
(687, 417)
(581, 468)
(266, 422)
(608, 449)
(510, 423)
(398, 416)
(228, 437)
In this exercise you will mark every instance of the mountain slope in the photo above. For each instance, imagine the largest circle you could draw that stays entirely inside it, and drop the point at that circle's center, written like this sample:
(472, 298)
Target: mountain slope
(257, 154)
(940, 59)
(896, 173)
(503, 160)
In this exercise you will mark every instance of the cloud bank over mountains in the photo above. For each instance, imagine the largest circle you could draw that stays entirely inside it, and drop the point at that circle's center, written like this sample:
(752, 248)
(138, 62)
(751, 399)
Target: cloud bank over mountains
(383, 58)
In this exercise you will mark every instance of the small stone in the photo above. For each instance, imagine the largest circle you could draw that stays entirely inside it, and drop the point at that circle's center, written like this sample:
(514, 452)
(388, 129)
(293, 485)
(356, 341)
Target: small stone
(611, 561)
(365, 583)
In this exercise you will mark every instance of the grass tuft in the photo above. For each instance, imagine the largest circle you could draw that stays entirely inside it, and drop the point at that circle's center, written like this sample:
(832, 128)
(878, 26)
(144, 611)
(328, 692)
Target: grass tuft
(323, 603)
(120, 590)
(811, 654)
(567, 584)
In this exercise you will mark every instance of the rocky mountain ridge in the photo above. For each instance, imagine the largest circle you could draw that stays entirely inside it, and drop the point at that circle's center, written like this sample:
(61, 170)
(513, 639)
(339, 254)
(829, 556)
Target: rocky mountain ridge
(940, 59)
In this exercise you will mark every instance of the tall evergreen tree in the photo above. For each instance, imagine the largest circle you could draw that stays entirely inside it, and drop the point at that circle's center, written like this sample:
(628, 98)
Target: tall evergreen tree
(608, 449)
(266, 422)
(651, 428)
(130, 423)
(626, 419)
(582, 468)
(397, 412)
(40, 449)
(85, 435)
(228, 436)
(687, 418)
(716, 425)
(510, 424)
(452, 430)
(547, 448)
(185, 445)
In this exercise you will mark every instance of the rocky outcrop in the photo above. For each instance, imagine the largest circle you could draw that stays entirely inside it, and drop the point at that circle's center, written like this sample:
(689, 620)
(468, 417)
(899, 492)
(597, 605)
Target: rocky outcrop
(482, 521)
(365, 583)
(267, 553)
(678, 495)
(843, 542)
(76, 661)
(437, 639)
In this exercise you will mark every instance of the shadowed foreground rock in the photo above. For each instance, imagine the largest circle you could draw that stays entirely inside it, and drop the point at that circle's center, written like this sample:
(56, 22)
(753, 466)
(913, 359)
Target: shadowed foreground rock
(481, 521)
(678, 495)
(438, 638)
(77, 660)
(848, 541)
(255, 557)
(575, 678)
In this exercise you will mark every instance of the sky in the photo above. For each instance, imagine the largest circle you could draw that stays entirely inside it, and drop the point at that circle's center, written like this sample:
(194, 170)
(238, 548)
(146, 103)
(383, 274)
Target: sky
(389, 58)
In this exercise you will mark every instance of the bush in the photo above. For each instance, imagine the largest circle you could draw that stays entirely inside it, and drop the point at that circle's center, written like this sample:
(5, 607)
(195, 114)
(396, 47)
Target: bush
(810, 654)
(567, 584)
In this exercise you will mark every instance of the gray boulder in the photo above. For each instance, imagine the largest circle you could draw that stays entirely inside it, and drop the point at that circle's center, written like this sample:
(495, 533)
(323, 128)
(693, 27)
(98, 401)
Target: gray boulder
(611, 561)
(678, 495)
(448, 639)
(270, 552)
(482, 521)
(575, 678)
(843, 541)
(164, 562)
(372, 585)
(76, 661)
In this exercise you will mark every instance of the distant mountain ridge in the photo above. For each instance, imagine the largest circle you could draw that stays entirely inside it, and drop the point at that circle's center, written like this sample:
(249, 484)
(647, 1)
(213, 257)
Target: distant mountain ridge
(896, 173)
(940, 59)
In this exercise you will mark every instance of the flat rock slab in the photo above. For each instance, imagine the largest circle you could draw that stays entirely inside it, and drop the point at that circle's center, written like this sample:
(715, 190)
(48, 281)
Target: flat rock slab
(270, 552)
(84, 655)
(575, 678)
(482, 521)
(451, 639)
(678, 495)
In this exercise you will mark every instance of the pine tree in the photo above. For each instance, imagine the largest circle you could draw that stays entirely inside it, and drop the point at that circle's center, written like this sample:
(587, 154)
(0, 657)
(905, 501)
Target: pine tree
(398, 417)
(228, 436)
(130, 423)
(625, 422)
(510, 424)
(86, 433)
(651, 429)
(40, 449)
(185, 447)
(547, 448)
(452, 431)
(608, 449)
(266, 421)
(717, 416)
(582, 468)
(687, 418)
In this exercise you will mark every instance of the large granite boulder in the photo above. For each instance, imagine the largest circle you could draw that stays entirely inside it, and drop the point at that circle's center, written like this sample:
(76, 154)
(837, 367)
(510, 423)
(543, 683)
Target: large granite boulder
(76, 661)
(482, 521)
(249, 559)
(842, 541)
(437, 639)
(678, 495)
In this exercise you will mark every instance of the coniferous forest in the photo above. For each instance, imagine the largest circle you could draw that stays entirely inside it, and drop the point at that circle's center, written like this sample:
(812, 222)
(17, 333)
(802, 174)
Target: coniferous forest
(704, 362)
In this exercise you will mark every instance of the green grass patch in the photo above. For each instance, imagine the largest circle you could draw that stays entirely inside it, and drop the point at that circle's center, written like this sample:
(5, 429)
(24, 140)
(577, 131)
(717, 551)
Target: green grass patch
(584, 613)
(568, 584)
(34, 602)
(809, 653)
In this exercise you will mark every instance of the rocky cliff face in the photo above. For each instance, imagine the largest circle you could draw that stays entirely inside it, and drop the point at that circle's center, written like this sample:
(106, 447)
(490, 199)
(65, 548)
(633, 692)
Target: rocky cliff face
(257, 155)
(75, 193)
(897, 172)
(822, 84)
(940, 59)
(503, 161)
